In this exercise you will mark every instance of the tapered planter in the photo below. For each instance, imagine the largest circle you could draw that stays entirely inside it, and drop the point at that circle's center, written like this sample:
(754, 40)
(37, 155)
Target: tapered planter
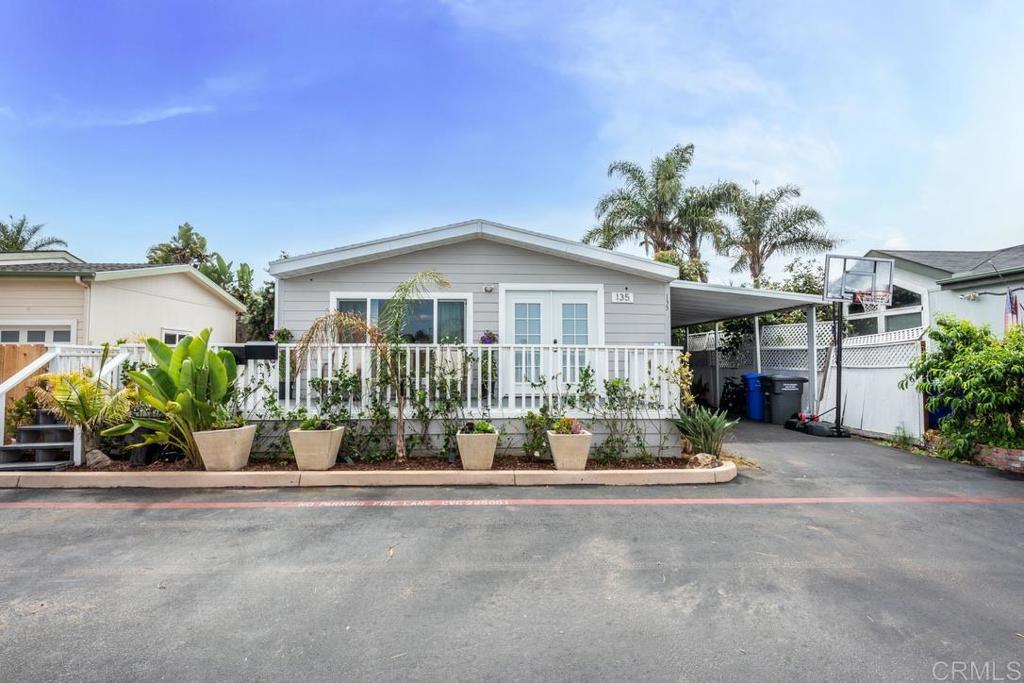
(225, 449)
(316, 449)
(570, 451)
(477, 450)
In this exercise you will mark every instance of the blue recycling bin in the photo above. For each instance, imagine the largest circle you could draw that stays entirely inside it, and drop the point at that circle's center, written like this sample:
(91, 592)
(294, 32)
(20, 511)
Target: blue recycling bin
(755, 396)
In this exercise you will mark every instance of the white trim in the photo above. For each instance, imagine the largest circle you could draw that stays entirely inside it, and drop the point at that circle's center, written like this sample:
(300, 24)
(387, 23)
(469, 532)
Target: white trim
(794, 297)
(504, 288)
(459, 232)
(442, 295)
(18, 322)
(277, 303)
(170, 269)
(175, 331)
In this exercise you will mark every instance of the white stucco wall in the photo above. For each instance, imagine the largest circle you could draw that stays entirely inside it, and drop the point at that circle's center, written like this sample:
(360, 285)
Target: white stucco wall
(135, 308)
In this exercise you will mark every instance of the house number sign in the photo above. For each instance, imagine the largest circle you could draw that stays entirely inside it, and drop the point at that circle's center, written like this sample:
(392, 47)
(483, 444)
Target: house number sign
(622, 297)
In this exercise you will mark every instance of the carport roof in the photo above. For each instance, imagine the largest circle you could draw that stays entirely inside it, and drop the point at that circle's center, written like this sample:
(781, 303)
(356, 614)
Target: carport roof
(694, 303)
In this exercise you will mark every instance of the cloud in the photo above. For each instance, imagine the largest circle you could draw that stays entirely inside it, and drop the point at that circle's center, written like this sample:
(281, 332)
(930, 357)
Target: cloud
(142, 117)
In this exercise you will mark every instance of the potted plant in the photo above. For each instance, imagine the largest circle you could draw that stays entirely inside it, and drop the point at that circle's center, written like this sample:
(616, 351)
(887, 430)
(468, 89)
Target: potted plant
(477, 443)
(192, 388)
(316, 443)
(570, 444)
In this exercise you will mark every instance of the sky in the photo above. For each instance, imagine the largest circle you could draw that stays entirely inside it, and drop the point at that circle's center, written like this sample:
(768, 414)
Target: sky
(294, 126)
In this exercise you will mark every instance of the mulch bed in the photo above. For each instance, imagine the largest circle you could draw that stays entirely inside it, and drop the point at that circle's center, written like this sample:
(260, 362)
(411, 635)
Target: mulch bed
(501, 462)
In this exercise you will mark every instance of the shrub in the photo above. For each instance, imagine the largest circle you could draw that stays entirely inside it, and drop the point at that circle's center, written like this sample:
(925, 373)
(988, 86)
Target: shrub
(536, 426)
(979, 379)
(315, 424)
(705, 429)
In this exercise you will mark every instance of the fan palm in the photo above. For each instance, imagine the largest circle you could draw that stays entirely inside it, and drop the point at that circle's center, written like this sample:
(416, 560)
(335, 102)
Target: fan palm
(645, 207)
(187, 246)
(770, 223)
(385, 336)
(19, 235)
(83, 400)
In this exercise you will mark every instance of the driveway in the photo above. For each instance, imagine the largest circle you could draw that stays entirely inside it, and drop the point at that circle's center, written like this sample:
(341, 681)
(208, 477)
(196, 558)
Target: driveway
(662, 584)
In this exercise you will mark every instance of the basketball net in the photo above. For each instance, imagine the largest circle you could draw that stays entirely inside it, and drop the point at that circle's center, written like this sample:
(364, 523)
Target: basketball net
(872, 301)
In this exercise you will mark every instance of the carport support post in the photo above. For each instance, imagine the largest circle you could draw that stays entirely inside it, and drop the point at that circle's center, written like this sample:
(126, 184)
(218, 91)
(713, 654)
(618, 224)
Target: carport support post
(757, 344)
(812, 360)
(718, 379)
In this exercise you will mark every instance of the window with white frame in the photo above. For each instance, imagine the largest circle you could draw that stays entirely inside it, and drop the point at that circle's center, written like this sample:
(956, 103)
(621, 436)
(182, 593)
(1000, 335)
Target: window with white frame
(172, 337)
(905, 312)
(441, 319)
(34, 334)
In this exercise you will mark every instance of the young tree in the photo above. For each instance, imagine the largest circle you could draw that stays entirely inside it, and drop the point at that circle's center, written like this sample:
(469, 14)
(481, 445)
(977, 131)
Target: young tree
(770, 223)
(386, 337)
(19, 235)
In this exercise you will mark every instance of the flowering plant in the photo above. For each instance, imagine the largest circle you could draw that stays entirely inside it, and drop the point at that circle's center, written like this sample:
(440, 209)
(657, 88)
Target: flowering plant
(489, 337)
(568, 425)
(281, 336)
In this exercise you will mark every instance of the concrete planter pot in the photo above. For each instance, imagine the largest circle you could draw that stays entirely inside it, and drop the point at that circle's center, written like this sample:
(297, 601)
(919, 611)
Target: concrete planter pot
(316, 449)
(225, 450)
(570, 451)
(477, 450)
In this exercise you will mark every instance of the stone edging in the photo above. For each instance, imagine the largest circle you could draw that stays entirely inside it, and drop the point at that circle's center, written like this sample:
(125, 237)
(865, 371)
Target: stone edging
(198, 480)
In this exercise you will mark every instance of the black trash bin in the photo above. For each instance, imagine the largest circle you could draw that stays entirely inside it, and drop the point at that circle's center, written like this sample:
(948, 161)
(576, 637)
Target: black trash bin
(783, 397)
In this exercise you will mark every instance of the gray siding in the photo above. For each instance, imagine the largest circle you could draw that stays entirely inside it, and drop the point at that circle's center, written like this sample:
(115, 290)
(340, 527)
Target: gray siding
(471, 265)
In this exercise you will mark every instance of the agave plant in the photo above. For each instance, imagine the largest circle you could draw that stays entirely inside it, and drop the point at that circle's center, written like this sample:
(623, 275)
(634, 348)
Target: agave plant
(81, 399)
(191, 386)
(705, 429)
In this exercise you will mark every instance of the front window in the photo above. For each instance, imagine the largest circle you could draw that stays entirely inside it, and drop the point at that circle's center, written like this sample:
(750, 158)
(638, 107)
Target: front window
(427, 321)
(172, 337)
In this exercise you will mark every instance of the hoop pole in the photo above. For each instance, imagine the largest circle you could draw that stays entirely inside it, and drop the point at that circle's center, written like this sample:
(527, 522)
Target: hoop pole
(837, 315)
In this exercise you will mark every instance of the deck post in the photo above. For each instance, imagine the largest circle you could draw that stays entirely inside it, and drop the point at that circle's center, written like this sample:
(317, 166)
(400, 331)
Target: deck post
(812, 360)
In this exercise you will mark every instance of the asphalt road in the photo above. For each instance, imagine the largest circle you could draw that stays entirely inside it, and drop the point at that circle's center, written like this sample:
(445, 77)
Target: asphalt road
(816, 590)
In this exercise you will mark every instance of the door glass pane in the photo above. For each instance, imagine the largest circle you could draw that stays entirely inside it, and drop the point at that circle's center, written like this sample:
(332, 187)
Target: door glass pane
(61, 336)
(527, 331)
(902, 322)
(9, 336)
(575, 328)
(35, 336)
(451, 322)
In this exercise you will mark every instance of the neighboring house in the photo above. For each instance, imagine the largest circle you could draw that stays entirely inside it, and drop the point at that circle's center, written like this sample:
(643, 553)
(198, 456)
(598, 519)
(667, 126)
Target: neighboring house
(968, 284)
(53, 297)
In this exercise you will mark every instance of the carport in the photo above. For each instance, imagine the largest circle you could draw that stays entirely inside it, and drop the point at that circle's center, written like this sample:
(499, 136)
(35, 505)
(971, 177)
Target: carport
(696, 303)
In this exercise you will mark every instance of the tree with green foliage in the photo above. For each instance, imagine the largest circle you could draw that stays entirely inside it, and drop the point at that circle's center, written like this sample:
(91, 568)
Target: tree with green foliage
(769, 223)
(979, 378)
(186, 246)
(19, 235)
(694, 271)
(259, 313)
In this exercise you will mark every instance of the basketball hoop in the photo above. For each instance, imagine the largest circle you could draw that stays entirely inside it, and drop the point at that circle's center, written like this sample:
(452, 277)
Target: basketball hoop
(873, 300)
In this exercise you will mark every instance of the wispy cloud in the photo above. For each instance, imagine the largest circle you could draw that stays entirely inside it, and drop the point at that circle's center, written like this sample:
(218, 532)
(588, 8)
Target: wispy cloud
(142, 117)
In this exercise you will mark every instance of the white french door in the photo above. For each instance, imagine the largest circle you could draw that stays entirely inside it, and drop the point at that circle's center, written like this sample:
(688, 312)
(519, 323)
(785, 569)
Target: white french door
(554, 321)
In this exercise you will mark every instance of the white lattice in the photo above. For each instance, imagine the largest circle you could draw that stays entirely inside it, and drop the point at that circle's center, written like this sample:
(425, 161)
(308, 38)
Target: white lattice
(911, 334)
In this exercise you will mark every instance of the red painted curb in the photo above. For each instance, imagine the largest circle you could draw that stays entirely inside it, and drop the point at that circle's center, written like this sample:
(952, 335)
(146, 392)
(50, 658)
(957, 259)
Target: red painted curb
(514, 502)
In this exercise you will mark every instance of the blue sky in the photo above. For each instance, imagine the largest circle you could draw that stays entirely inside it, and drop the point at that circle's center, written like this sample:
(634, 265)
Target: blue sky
(298, 126)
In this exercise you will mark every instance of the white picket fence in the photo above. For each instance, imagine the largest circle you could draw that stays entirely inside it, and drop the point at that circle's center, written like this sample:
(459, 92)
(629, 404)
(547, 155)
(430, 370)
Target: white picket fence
(873, 403)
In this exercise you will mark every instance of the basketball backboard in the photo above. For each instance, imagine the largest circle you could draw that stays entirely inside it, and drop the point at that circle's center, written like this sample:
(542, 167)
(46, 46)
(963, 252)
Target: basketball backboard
(848, 278)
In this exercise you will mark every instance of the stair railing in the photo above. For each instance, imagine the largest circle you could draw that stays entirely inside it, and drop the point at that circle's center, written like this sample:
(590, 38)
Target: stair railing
(17, 378)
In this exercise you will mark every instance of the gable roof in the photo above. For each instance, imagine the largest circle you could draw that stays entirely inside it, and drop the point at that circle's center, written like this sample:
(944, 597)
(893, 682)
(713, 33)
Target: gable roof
(100, 272)
(961, 262)
(467, 230)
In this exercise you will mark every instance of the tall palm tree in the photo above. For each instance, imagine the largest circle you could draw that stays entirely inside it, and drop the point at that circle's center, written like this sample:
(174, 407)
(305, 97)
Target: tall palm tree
(770, 223)
(19, 235)
(187, 246)
(698, 216)
(645, 208)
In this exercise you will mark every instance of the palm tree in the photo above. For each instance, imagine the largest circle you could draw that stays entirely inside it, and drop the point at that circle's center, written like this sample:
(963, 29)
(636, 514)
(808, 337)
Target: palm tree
(645, 208)
(19, 235)
(386, 337)
(698, 216)
(187, 246)
(770, 223)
